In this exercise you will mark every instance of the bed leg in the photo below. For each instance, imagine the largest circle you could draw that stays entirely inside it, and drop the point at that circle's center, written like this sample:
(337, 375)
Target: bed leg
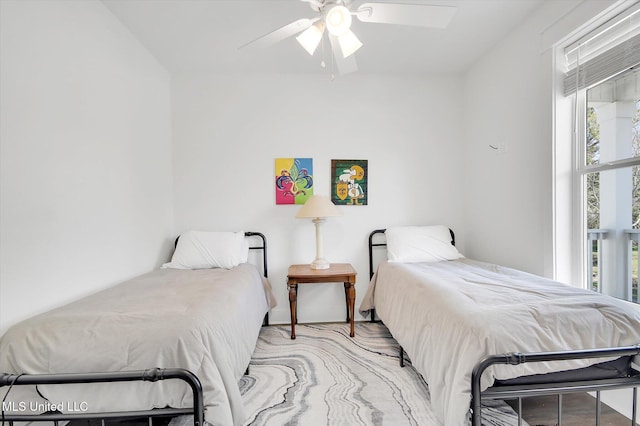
(634, 407)
(476, 414)
(559, 409)
(597, 408)
(373, 315)
(401, 357)
(476, 396)
(519, 411)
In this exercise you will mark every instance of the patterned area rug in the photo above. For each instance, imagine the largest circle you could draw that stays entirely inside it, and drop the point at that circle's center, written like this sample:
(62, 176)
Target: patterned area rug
(325, 377)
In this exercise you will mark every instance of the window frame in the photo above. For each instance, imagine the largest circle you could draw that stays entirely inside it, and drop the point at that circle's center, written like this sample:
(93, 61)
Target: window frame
(580, 170)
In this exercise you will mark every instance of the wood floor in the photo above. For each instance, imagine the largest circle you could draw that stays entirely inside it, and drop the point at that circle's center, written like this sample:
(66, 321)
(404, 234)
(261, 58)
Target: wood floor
(577, 410)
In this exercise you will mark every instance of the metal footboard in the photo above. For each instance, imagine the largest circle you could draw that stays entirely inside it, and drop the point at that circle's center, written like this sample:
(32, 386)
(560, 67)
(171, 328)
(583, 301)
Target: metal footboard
(512, 392)
(151, 375)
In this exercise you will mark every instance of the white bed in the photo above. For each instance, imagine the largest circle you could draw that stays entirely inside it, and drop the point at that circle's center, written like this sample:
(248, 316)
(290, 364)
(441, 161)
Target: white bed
(204, 320)
(450, 314)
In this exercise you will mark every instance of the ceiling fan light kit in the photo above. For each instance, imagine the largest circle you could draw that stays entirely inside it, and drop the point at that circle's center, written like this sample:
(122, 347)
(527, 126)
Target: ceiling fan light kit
(310, 38)
(349, 43)
(336, 16)
(338, 20)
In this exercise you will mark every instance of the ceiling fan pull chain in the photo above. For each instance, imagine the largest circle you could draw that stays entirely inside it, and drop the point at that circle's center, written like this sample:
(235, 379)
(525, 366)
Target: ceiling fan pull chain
(333, 62)
(323, 64)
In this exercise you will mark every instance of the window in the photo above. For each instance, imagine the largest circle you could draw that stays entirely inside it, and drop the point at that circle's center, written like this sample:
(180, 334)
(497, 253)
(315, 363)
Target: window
(610, 177)
(604, 82)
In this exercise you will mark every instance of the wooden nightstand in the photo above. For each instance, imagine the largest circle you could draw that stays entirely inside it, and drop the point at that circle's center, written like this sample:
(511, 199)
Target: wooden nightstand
(336, 273)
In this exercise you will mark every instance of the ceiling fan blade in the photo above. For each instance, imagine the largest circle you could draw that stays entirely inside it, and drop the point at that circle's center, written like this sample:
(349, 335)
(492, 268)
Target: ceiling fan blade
(314, 3)
(420, 15)
(345, 65)
(281, 33)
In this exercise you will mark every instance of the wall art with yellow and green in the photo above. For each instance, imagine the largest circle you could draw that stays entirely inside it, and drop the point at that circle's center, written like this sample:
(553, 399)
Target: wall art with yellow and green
(349, 182)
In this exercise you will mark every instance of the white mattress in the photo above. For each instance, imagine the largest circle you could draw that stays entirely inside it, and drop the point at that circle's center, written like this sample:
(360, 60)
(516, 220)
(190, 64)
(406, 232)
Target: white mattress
(449, 315)
(206, 321)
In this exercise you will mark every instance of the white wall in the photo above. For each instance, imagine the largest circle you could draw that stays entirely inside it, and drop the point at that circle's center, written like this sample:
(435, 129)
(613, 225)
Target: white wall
(508, 197)
(227, 132)
(85, 155)
(509, 103)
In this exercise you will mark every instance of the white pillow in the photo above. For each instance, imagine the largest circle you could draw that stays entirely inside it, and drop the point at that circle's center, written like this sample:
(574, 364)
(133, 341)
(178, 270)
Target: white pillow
(408, 244)
(244, 250)
(202, 250)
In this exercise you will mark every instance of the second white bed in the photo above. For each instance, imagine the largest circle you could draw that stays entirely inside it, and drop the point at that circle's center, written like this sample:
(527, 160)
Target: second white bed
(449, 315)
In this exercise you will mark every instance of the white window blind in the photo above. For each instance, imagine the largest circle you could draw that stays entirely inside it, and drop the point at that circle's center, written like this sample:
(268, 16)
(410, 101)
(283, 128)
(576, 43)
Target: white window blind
(611, 49)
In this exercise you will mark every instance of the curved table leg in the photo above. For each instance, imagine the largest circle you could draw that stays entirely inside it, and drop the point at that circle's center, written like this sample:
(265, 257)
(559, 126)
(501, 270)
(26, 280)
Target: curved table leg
(351, 301)
(293, 295)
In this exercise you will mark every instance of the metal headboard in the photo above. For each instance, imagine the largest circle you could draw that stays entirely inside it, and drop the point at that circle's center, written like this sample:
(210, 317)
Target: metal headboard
(384, 244)
(262, 246)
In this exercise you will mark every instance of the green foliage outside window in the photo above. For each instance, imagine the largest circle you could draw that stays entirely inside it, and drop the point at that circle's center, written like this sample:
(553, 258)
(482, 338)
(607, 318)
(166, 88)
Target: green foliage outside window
(593, 189)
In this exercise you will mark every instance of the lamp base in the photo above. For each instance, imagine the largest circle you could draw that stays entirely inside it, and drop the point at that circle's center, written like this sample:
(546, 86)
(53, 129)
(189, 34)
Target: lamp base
(320, 264)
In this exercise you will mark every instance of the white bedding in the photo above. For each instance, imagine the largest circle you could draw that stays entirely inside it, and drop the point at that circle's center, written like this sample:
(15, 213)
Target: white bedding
(449, 315)
(206, 321)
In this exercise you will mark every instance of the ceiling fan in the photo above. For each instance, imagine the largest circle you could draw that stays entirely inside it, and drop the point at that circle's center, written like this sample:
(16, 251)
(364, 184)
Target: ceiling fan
(335, 16)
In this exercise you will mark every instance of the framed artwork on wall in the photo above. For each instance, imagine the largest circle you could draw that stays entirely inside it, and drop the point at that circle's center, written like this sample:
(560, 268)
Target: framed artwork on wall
(349, 182)
(294, 180)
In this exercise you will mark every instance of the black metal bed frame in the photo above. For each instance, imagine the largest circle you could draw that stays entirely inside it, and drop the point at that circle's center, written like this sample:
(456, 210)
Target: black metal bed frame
(263, 247)
(517, 392)
(150, 375)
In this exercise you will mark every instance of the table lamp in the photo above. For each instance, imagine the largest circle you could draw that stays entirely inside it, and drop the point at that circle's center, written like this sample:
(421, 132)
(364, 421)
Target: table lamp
(319, 207)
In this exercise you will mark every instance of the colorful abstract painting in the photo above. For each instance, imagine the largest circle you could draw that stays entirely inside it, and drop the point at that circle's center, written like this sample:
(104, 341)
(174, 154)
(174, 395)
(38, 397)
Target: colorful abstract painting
(349, 182)
(294, 180)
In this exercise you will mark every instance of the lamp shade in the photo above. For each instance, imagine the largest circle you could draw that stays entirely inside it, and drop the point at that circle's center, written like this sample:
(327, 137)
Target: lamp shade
(310, 38)
(349, 43)
(318, 206)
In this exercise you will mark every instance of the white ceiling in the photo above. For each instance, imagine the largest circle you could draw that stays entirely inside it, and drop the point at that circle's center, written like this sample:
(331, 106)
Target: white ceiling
(204, 35)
